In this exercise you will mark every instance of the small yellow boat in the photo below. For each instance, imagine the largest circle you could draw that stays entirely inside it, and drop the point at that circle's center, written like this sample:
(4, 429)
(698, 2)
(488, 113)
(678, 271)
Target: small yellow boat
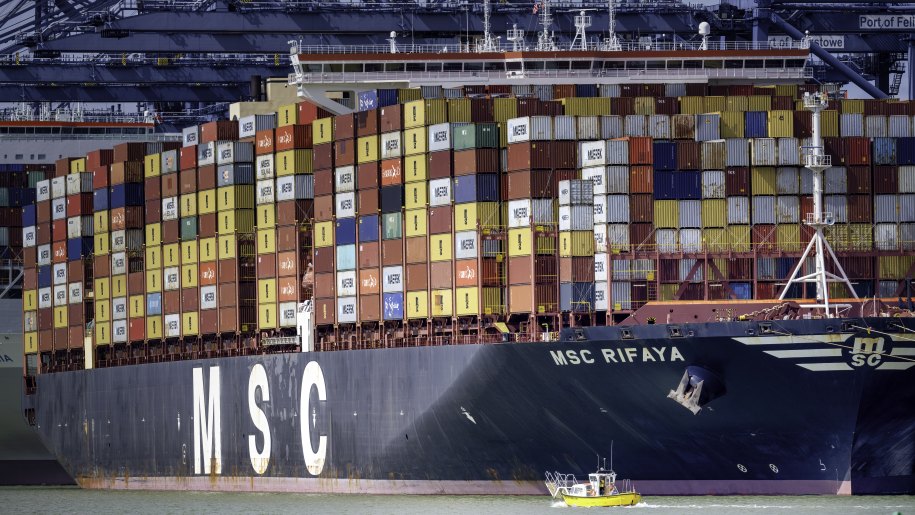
(601, 489)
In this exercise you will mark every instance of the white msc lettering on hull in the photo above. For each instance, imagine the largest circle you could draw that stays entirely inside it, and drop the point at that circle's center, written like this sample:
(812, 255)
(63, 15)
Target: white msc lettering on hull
(207, 429)
(258, 379)
(313, 376)
(623, 355)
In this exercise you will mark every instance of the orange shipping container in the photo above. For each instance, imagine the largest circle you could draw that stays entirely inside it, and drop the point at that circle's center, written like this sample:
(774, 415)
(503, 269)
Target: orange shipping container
(287, 289)
(391, 172)
(207, 276)
(369, 282)
(289, 137)
(640, 151)
(264, 142)
(440, 275)
(465, 273)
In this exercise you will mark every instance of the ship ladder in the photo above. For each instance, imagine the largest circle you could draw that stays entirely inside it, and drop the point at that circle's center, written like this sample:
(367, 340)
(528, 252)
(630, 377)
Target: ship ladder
(557, 482)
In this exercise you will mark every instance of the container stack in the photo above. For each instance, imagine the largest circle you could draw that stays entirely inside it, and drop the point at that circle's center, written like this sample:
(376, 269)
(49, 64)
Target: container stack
(17, 190)
(576, 246)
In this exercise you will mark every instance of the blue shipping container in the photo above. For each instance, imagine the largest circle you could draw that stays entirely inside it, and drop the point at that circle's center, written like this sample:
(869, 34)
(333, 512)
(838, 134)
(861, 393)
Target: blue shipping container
(905, 151)
(393, 306)
(577, 297)
(482, 187)
(885, 151)
(368, 228)
(236, 173)
(100, 199)
(586, 90)
(783, 267)
(743, 291)
(367, 100)
(346, 231)
(756, 124)
(45, 276)
(687, 184)
(130, 194)
(79, 247)
(346, 257)
(28, 215)
(665, 155)
(664, 188)
(153, 304)
(391, 199)
(387, 97)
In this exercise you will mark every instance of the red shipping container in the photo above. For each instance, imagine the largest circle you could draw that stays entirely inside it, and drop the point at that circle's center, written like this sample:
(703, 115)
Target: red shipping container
(440, 164)
(369, 255)
(208, 322)
(368, 176)
(187, 157)
(190, 299)
(440, 219)
(309, 112)
(206, 274)
(170, 185)
(136, 329)
(324, 182)
(130, 217)
(217, 131)
(859, 179)
(576, 269)
(391, 172)
(101, 177)
(171, 302)
(367, 123)
(130, 172)
(98, 158)
(129, 152)
(641, 236)
(416, 250)
(369, 281)
(622, 106)
(344, 152)
(344, 126)
(886, 180)
(59, 230)
(860, 209)
(857, 151)
(466, 273)
(325, 311)
(640, 151)
(687, 155)
(417, 276)
(152, 188)
(206, 225)
(524, 184)
(263, 142)
(390, 118)
(370, 307)
(324, 259)
(291, 137)
(286, 264)
(59, 251)
(737, 182)
(187, 181)
(206, 177)
(80, 204)
(473, 161)
(392, 252)
(367, 202)
(325, 285)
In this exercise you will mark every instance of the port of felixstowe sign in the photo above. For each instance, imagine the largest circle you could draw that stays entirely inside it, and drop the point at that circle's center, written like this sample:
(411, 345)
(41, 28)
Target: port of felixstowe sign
(827, 42)
(887, 21)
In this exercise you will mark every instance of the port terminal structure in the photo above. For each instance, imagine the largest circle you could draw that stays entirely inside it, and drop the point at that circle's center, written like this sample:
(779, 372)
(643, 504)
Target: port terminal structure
(154, 52)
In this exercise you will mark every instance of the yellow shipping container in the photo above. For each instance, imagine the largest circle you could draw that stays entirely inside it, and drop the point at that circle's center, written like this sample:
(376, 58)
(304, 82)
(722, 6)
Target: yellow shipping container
(239, 220)
(102, 311)
(666, 214)
(415, 195)
(235, 197)
(715, 239)
(153, 328)
(504, 109)
(722, 266)
(759, 103)
(415, 222)
(367, 149)
(692, 105)
(788, 237)
(29, 300)
(405, 95)
(266, 291)
(468, 216)
(762, 180)
(576, 243)
(322, 130)
(78, 165)
(153, 257)
(153, 281)
(102, 333)
(894, 267)
(227, 246)
(417, 304)
(118, 286)
(152, 165)
(171, 254)
(206, 202)
(786, 90)
(668, 291)
(189, 276)
(266, 241)
(295, 161)
(414, 168)
(207, 250)
(421, 112)
(459, 110)
(60, 317)
(266, 316)
(467, 301)
(519, 242)
(714, 212)
(781, 124)
(324, 234)
(861, 237)
(414, 141)
(440, 247)
(731, 124)
(853, 106)
(188, 252)
(100, 221)
(187, 205)
(102, 288)
(266, 216)
(189, 323)
(30, 343)
(829, 123)
(441, 303)
(153, 234)
(137, 306)
(739, 238)
(287, 114)
(645, 105)
(102, 243)
(716, 104)
(737, 103)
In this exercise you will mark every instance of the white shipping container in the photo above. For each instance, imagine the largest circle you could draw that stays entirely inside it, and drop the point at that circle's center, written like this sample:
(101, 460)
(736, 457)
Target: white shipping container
(189, 135)
(787, 181)
(58, 187)
(764, 153)
(659, 126)
(439, 137)
(592, 153)
(611, 126)
(45, 298)
(345, 205)
(234, 152)
(617, 209)
(851, 124)
(713, 184)
(208, 297)
(886, 236)
(617, 180)
(119, 308)
(899, 126)
(346, 283)
(600, 209)
(119, 263)
(875, 126)
(465, 244)
(636, 125)
(75, 293)
(564, 128)
(440, 192)
(80, 227)
(206, 154)
(738, 210)
(170, 208)
(836, 180)
(392, 279)
(28, 236)
(738, 152)
(667, 240)
(119, 331)
(59, 273)
(838, 206)
(44, 255)
(600, 238)
(601, 266)
(764, 209)
(344, 179)
(295, 187)
(589, 127)
(30, 321)
(575, 192)
(788, 152)
(72, 183)
(907, 179)
(58, 208)
(346, 310)
(617, 237)
(287, 314)
(391, 146)
(43, 190)
(601, 296)
(886, 209)
(690, 213)
(60, 295)
(691, 240)
(172, 326)
(530, 128)
(171, 278)
(597, 175)
(265, 192)
(519, 213)
(576, 218)
(787, 210)
(264, 166)
(249, 125)
(129, 239)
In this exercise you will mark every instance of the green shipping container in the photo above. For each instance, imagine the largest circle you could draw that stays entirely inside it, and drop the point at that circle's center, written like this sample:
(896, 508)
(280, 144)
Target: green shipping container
(188, 228)
(477, 135)
(391, 226)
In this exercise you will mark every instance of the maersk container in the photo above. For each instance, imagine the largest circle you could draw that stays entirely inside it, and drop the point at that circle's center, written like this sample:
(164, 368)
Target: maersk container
(122, 195)
(886, 209)
(482, 187)
(347, 310)
(466, 245)
(345, 205)
(439, 137)
(392, 279)
(851, 125)
(346, 257)
(756, 124)
(835, 180)
(295, 187)
(344, 179)
(576, 297)
(707, 127)
(43, 190)
(713, 184)
(738, 152)
(764, 153)
(617, 152)
(249, 125)
(899, 126)
(575, 192)
(788, 152)
(391, 145)
(440, 192)
(576, 218)
(530, 128)
(600, 209)
(265, 192)
(787, 210)
(600, 237)
(658, 126)
(264, 166)
(787, 181)
(190, 135)
(393, 308)
(838, 206)
(690, 213)
(597, 175)
(235, 173)
(206, 154)
(738, 210)
(346, 283)
(636, 125)
(368, 228)
(80, 226)
(885, 151)
(665, 155)
(611, 126)
(345, 231)
(77, 183)
(59, 208)
(592, 153)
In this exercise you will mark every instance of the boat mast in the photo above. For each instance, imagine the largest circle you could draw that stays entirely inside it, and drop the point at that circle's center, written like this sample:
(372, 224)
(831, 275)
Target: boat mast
(817, 161)
(612, 43)
(545, 39)
(582, 22)
(489, 43)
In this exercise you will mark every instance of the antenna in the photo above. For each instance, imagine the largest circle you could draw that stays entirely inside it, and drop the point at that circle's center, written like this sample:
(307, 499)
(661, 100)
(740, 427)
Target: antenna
(704, 30)
(818, 162)
(545, 39)
(582, 22)
(516, 36)
(488, 44)
(612, 43)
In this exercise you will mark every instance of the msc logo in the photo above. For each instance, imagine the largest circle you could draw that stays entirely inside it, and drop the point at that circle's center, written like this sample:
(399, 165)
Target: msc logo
(867, 352)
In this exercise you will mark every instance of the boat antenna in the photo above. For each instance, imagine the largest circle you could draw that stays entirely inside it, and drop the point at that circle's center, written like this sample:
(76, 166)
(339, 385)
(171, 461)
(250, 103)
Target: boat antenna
(545, 40)
(489, 43)
(582, 22)
(612, 43)
(817, 161)
(392, 41)
(516, 36)
(611, 454)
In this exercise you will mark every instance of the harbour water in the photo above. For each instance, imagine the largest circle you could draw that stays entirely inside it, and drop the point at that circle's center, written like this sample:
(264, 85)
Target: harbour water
(74, 500)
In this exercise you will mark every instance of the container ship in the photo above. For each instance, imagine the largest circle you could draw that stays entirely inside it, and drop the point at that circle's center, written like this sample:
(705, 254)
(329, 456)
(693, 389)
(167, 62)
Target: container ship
(475, 267)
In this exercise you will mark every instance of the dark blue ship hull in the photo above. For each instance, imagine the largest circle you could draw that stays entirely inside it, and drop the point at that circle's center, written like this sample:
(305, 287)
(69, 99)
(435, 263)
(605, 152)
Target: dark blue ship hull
(787, 407)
